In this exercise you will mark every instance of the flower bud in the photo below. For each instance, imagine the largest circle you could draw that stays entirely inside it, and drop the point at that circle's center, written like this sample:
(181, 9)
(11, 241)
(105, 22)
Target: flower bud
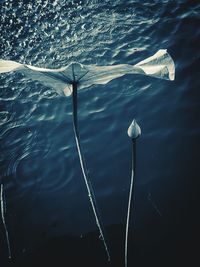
(134, 130)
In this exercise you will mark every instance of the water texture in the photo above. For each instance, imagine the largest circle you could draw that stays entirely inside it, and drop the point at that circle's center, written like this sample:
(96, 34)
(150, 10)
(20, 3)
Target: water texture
(48, 214)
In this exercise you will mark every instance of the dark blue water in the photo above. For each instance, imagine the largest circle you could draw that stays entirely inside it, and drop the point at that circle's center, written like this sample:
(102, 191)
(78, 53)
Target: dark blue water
(48, 214)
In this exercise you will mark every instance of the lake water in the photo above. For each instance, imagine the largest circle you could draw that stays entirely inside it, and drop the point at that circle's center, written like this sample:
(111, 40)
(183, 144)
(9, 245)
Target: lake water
(48, 215)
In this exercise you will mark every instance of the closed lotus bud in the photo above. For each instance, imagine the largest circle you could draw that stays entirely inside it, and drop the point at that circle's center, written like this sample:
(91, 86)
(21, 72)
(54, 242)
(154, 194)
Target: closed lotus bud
(134, 130)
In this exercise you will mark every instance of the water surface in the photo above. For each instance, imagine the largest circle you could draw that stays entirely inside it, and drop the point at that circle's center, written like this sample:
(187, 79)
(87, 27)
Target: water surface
(48, 213)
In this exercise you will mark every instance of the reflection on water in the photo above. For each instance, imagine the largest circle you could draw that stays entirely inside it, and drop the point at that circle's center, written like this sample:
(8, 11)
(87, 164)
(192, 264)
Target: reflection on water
(46, 196)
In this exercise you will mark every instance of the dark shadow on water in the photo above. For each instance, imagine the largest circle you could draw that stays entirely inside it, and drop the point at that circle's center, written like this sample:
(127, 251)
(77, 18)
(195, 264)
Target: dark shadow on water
(88, 251)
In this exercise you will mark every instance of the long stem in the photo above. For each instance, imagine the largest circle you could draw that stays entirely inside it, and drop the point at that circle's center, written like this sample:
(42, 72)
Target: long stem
(4, 222)
(129, 200)
(88, 184)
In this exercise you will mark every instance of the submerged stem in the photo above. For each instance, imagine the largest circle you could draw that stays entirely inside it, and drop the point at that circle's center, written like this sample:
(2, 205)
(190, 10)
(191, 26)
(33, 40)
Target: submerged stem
(4, 222)
(130, 198)
(88, 184)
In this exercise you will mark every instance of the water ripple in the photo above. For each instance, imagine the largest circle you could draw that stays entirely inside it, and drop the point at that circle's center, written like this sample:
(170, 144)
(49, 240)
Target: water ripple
(36, 138)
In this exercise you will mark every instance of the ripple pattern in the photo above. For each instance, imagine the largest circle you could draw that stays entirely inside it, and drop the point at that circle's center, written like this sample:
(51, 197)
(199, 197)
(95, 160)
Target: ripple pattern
(38, 155)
